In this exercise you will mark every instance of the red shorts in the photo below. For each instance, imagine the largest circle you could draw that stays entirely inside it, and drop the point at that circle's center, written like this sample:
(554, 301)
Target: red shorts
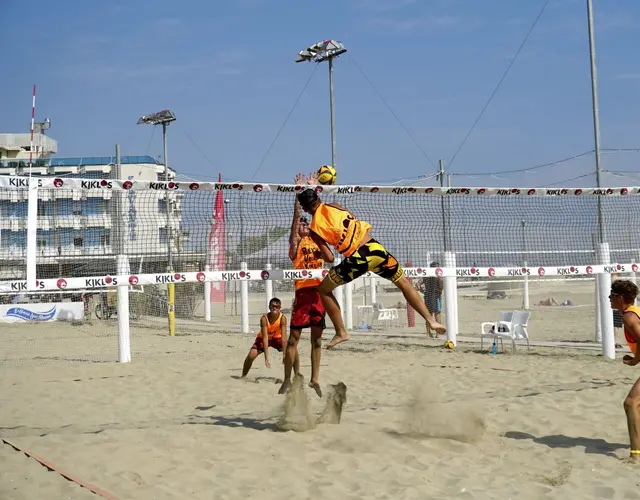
(308, 309)
(259, 344)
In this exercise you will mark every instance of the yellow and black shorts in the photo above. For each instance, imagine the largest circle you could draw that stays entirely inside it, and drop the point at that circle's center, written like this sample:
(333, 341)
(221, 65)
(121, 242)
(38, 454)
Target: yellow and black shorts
(371, 256)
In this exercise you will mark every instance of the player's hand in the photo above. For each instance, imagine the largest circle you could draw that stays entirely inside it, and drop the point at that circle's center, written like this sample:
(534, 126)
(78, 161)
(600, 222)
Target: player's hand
(266, 363)
(629, 360)
(312, 180)
(299, 180)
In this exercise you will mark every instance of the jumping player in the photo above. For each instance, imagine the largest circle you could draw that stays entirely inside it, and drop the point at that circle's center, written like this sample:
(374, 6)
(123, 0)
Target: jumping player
(623, 298)
(273, 333)
(308, 309)
(334, 225)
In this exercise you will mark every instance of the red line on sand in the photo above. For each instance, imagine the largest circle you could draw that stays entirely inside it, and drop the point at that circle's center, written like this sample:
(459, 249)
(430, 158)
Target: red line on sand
(68, 477)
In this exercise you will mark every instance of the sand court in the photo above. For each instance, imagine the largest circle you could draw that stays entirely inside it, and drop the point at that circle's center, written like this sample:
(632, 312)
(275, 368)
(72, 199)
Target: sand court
(417, 422)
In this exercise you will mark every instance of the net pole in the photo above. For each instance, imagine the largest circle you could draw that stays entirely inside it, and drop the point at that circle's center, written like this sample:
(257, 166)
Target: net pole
(606, 313)
(338, 293)
(268, 286)
(32, 233)
(525, 288)
(596, 113)
(244, 301)
(33, 118)
(444, 217)
(450, 312)
(171, 288)
(122, 269)
(372, 290)
(598, 338)
(207, 296)
(348, 306)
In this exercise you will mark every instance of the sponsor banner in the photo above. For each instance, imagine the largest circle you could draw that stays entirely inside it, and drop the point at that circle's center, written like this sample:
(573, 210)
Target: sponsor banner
(12, 182)
(297, 274)
(50, 311)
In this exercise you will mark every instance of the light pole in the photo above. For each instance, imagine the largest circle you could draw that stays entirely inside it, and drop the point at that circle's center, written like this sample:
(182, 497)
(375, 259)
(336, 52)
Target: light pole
(326, 50)
(164, 118)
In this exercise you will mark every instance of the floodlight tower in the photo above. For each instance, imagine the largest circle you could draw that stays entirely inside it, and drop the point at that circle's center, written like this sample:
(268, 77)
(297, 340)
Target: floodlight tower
(164, 118)
(326, 50)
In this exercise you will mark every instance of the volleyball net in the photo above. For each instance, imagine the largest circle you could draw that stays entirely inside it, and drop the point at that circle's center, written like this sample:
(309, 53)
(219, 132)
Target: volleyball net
(212, 254)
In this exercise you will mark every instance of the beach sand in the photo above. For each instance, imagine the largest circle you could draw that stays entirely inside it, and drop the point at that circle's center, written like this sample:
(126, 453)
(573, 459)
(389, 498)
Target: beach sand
(418, 421)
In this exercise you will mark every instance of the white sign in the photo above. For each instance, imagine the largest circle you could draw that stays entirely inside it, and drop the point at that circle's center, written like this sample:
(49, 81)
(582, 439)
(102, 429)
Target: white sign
(50, 311)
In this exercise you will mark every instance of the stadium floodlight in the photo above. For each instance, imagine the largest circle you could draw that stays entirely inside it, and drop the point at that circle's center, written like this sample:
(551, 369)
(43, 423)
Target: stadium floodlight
(326, 50)
(164, 118)
(161, 117)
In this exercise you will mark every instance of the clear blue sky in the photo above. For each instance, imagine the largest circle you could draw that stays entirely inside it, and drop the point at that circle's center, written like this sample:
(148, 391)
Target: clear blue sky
(227, 70)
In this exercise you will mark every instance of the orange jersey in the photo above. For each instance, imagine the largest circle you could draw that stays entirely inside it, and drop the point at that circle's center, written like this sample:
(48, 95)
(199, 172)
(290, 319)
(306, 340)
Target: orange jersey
(273, 329)
(339, 228)
(631, 341)
(308, 256)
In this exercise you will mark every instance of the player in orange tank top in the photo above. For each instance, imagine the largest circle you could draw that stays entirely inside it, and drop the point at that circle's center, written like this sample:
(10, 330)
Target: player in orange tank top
(273, 333)
(308, 310)
(623, 299)
(336, 226)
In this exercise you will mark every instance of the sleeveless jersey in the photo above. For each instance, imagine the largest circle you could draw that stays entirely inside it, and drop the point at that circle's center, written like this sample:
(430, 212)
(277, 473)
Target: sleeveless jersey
(339, 228)
(307, 257)
(273, 329)
(631, 342)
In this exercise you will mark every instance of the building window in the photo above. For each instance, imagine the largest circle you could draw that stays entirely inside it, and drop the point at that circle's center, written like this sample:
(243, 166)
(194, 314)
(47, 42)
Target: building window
(78, 241)
(105, 238)
(77, 207)
(162, 206)
(162, 235)
(44, 208)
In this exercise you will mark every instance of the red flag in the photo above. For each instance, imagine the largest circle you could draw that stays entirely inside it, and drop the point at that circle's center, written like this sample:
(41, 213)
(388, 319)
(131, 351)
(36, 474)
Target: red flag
(217, 247)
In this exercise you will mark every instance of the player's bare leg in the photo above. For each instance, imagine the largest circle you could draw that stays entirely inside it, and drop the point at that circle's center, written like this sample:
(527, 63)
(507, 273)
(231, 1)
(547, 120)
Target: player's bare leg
(333, 310)
(316, 351)
(291, 360)
(632, 410)
(414, 299)
(253, 354)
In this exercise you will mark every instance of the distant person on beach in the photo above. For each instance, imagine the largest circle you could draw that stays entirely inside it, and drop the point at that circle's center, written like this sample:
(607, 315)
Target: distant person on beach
(622, 298)
(431, 288)
(273, 333)
(308, 310)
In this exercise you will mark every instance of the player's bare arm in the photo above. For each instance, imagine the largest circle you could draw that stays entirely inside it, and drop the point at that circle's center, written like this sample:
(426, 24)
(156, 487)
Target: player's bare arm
(294, 236)
(283, 334)
(265, 340)
(632, 324)
(326, 252)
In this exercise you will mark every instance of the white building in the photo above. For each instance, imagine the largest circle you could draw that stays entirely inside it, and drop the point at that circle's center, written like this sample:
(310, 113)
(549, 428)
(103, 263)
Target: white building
(77, 227)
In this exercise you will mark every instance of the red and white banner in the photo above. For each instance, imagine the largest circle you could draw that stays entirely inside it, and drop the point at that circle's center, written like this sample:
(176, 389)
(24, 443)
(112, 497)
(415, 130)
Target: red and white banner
(217, 247)
(296, 274)
(14, 182)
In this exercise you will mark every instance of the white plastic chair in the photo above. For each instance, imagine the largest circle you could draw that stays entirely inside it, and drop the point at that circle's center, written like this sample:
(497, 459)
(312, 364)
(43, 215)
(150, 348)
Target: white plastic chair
(382, 314)
(511, 325)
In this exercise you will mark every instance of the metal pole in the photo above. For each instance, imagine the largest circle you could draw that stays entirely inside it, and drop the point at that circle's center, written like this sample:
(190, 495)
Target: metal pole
(524, 242)
(333, 130)
(171, 288)
(449, 203)
(166, 179)
(444, 219)
(596, 117)
(118, 212)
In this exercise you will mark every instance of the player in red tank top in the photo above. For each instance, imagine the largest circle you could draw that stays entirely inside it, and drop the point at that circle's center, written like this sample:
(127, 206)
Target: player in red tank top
(273, 333)
(623, 299)
(308, 310)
